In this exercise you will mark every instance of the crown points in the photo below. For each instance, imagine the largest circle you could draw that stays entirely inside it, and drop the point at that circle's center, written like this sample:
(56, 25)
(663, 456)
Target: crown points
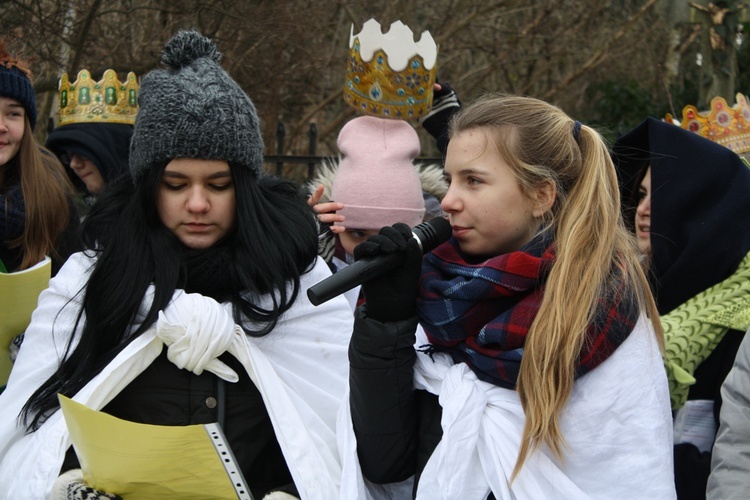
(187, 46)
(105, 101)
(398, 44)
(725, 124)
(390, 75)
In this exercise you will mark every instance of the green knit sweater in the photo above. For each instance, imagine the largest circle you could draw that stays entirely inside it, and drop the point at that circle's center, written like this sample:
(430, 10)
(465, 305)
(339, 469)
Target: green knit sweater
(693, 330)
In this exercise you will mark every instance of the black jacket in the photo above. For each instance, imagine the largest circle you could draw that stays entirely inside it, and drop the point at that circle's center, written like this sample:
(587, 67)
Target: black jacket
(397, 427)
(166, 395)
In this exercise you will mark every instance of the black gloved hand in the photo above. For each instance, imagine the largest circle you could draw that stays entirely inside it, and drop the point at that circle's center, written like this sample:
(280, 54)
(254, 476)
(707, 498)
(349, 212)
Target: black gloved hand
(392, 296)
(445, 104)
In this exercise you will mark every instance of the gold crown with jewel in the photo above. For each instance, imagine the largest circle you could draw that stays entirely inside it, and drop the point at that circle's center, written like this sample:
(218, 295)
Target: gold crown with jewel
(105, 101)
(390, 75)
(725, 124)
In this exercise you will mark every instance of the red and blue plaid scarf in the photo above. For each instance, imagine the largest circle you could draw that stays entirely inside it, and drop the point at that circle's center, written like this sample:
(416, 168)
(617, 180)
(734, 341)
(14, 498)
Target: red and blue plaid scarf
(481, 312)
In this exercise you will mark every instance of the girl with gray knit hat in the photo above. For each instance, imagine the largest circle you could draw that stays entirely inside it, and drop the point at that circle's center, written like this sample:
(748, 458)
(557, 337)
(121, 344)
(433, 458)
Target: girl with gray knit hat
(190, 306)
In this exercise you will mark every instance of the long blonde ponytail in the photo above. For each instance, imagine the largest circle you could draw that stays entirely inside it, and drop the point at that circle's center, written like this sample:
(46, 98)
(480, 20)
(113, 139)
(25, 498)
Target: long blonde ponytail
(594, 250)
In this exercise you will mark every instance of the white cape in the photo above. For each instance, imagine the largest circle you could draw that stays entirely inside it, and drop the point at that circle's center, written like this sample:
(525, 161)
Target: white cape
(617, 428)
(301, 369)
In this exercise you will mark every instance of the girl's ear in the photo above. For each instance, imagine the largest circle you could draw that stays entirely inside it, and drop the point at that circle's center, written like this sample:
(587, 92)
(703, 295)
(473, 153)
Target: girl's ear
(544, 197)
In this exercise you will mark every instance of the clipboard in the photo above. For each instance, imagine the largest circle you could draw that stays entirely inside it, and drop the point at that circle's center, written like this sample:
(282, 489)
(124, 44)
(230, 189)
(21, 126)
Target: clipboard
(153, 461)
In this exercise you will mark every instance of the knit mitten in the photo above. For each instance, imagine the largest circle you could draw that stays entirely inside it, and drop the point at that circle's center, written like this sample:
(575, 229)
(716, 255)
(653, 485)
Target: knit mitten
(70, 486)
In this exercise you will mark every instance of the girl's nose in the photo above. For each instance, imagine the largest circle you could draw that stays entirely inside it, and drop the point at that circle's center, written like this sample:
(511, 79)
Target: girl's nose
(451, 202)
(644, 207)
(198, 201)
(75, 162)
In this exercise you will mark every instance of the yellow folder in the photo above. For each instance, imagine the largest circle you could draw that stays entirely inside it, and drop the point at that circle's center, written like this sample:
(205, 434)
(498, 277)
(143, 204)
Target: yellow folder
(141, 461)
(19, 293)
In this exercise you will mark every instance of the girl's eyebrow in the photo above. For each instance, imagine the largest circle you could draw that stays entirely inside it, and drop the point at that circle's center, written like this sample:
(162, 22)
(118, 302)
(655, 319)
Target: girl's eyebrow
(222, 174)
(470, 171)
(180, 175)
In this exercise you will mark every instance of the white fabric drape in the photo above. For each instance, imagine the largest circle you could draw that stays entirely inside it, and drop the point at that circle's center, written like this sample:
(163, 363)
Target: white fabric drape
(301, 370)
(617, 428)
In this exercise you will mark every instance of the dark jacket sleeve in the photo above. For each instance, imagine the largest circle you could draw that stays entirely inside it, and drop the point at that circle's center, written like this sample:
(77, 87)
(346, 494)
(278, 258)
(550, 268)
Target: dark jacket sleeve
(383, 408)
(68, 242)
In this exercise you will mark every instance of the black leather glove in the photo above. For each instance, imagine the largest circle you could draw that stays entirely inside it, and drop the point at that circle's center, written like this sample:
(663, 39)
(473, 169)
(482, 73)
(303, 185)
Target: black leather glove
(392, 296)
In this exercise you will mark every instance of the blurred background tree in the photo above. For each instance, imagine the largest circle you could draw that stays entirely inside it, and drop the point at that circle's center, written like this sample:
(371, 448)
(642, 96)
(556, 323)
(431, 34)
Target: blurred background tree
(608, 63)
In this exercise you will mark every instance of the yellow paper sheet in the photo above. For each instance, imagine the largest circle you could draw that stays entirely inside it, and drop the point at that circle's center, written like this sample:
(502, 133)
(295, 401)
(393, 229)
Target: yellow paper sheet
(140, 461)
(19, 293)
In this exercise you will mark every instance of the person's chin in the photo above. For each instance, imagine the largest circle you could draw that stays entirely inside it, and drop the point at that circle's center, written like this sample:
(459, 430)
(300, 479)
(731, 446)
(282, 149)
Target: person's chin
(644, 247)
(473, 249)
(199, 242)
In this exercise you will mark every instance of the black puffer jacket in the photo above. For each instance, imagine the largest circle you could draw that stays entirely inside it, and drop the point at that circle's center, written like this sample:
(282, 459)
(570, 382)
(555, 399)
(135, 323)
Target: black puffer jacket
(397, 427)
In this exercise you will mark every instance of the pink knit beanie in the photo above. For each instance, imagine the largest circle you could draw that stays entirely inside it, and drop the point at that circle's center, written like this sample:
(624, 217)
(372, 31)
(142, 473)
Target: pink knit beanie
(376, 180)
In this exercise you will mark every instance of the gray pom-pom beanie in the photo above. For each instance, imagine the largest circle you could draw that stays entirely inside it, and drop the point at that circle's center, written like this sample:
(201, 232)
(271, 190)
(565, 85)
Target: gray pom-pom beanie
(194, 109)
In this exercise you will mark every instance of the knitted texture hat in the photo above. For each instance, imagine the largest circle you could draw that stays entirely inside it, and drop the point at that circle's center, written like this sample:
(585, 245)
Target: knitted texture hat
(15, 83)
(376, 180)
(194, 109)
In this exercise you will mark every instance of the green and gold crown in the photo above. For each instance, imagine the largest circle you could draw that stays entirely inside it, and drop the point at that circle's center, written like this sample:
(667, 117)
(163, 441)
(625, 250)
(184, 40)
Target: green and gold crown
(725, 124)
(105, 101)
(390, 75)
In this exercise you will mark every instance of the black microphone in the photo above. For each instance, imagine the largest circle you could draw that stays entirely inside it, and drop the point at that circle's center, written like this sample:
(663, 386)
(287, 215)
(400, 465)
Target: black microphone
(428, 234)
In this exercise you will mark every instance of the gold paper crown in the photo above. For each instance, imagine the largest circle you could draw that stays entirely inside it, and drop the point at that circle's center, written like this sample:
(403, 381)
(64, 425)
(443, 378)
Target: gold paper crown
(105, 101)
(727, 125)
(390, 75)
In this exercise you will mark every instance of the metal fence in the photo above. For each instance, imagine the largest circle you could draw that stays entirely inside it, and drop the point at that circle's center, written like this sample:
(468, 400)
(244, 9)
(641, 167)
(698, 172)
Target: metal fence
(311, 160)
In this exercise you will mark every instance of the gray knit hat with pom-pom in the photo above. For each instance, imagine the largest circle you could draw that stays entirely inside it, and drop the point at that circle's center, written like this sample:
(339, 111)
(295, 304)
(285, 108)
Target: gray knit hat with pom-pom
(194, 109)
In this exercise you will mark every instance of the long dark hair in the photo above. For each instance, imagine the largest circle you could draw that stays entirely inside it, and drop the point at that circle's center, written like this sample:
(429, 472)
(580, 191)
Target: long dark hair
(273, 244)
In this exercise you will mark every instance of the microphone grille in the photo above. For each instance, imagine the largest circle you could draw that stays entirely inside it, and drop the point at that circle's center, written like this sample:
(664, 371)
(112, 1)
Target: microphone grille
(432, 233)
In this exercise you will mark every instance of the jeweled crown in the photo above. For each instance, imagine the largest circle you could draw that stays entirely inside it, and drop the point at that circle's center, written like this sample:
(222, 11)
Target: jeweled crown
(725, 124)
(390, 75)
(105, 101)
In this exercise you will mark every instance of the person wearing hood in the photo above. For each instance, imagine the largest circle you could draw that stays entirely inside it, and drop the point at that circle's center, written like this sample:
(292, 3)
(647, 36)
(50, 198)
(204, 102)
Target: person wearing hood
(94, 147)
(95, 153)
(688, 201)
